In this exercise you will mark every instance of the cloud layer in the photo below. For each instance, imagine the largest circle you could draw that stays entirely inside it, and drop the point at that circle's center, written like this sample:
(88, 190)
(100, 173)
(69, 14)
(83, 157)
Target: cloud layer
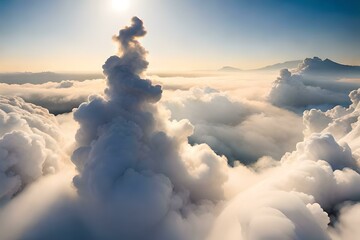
(59, 97)
(151, 167)
(239, 129)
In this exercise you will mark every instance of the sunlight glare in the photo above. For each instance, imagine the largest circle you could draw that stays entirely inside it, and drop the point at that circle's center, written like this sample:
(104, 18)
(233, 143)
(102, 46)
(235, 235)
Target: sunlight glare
(120, 5)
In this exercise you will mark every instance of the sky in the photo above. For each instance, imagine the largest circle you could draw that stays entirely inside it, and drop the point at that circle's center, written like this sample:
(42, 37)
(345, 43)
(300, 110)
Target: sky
(73, 36)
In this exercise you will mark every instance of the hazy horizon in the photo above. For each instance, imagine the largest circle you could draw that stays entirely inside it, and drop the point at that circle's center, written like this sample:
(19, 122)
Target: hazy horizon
(184, 71)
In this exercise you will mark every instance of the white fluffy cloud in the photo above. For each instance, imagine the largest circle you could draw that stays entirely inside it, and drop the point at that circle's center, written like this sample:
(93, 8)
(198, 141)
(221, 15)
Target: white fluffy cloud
(297, 198)
(290, 91)
(29, 145)
(294, 200)
(343, 123)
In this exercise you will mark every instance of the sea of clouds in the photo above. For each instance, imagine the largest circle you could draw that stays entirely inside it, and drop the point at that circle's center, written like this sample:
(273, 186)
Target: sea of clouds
(252, 156)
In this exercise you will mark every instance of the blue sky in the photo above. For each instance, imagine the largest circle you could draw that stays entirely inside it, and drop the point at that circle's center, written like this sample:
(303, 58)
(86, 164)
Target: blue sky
(68, 35)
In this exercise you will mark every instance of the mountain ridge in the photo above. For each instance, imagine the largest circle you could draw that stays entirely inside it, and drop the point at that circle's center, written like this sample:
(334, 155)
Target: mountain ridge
(313, 65)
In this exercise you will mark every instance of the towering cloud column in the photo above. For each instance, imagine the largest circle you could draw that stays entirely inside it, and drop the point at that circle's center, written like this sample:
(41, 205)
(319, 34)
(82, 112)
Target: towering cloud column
(138, 175)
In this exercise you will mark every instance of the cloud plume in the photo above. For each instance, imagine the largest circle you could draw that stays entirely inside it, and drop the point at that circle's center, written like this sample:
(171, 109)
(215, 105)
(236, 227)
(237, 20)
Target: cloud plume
(133, 168)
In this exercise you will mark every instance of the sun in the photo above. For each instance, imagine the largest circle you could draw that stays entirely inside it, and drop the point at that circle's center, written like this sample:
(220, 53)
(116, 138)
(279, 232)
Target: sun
(120, 5)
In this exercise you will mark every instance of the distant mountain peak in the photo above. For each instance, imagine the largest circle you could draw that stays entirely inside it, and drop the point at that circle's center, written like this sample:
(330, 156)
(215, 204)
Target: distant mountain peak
(229, 69)
(314, 65)
(279, 66)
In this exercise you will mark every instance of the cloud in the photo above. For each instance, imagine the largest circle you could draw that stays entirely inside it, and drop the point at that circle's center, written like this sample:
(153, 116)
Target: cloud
(290, 91)
(59, 97)
(348, 224)
(29, 145)
(239, 129)
(294, 200)
(316, 83)
(299, 196)
(326, 68)
(341, 122)
(269, 215)
(34, 203)
(324, 146)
